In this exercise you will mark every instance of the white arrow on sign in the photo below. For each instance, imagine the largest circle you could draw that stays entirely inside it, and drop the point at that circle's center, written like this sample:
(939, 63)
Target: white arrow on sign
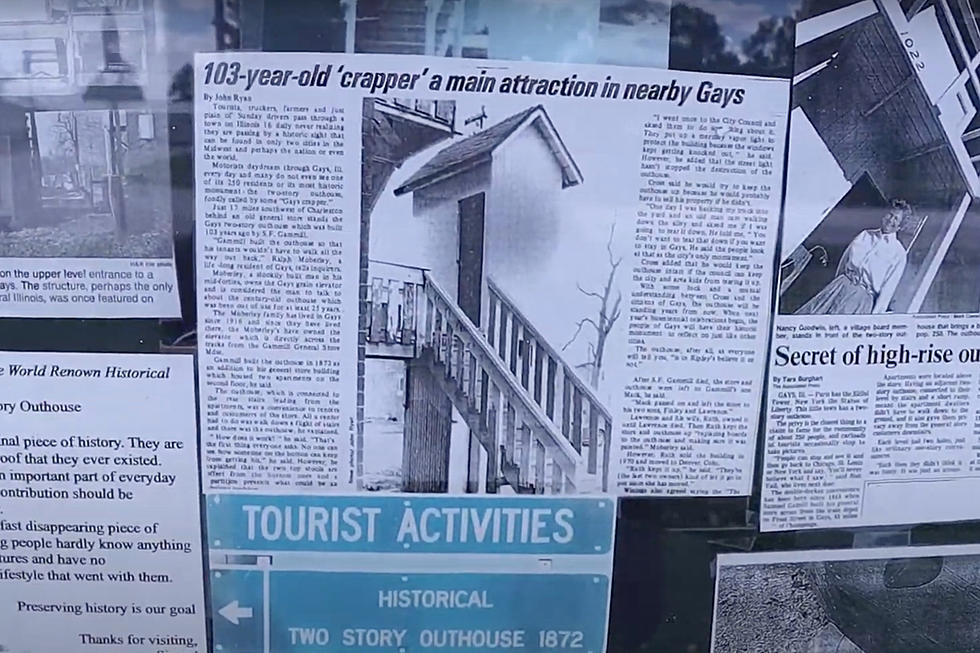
(233, 612)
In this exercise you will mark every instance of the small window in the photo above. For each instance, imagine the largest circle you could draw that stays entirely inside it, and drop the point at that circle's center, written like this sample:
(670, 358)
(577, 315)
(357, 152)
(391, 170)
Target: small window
(145, 126)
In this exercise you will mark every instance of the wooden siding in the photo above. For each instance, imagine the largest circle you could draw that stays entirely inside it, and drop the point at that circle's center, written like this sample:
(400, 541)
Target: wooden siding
(875, 116)
(428, 426)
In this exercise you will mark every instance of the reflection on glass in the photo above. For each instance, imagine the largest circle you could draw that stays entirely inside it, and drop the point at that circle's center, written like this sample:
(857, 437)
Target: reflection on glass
(127, 53)
(33, 58)
(634, 32)
(543, 30)
(745, 37)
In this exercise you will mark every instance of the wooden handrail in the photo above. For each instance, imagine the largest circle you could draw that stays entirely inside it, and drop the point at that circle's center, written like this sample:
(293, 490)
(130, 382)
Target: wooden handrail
(568, 402)
(569, 459)
(570, 372)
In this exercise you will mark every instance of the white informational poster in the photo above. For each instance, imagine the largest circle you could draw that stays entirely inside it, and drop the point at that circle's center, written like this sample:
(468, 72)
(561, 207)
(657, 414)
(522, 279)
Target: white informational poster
(100, 530)
(872, 401)
(562, 274)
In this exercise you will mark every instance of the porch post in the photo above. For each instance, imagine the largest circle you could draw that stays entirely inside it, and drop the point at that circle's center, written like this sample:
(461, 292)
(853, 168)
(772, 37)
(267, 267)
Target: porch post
(432, 9)
(350, 26)
(473, 465)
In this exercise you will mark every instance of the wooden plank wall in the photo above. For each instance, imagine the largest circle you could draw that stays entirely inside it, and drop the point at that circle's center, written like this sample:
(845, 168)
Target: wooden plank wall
(428, 425)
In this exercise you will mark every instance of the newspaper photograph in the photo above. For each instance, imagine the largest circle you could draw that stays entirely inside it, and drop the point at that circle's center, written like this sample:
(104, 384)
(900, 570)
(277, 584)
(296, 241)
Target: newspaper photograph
(872, 417)
(881, 600)
(562, 274)
(744, 37)
(85, 219)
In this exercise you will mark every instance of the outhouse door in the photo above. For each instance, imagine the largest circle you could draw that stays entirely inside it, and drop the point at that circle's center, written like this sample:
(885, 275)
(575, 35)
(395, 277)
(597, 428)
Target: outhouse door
(470, 260)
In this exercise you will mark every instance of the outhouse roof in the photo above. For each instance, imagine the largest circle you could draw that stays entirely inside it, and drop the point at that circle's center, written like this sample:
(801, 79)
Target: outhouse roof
(479, 147)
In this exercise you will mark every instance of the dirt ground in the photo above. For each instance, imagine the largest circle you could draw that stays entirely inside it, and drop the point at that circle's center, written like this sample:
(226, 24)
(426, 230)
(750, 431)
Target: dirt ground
(383, 454)
(767, 609)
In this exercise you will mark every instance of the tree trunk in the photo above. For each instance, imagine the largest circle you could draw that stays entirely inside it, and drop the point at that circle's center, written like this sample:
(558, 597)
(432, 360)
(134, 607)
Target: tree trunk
(596, 374)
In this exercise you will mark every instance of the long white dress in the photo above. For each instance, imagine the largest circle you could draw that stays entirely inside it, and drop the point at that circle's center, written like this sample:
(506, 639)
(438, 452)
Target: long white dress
(867, 276)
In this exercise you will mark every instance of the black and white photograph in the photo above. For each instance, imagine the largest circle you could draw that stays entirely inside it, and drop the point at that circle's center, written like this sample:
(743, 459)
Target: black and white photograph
(882, 175)
(492, 297)
(84, 158)
(739, 37)
(84, 184)
(896, 600)
(634, 33)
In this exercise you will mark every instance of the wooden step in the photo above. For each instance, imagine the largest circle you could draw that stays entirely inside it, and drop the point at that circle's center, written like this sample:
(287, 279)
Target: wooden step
(476, 423)
(452, 344)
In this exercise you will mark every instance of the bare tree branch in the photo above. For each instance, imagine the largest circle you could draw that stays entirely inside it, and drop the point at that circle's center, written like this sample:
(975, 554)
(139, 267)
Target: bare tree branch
(578, 330)
(607, 317)
(588, 293)
(606, 291)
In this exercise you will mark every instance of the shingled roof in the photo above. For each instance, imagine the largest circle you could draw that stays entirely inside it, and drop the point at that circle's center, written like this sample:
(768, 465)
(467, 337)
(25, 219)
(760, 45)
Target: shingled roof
(479, 147)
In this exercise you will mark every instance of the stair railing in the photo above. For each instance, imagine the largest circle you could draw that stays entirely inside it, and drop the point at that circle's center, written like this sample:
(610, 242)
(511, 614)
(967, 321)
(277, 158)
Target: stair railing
(392, 303)
(522, 444)
(554, 386)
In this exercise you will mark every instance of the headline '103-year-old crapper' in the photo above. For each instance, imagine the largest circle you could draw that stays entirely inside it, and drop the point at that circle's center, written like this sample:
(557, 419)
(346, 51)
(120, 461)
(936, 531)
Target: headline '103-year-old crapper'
(438, 275)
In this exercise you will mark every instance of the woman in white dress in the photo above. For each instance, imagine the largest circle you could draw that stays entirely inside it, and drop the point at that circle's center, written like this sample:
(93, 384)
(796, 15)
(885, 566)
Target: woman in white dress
(868, 272)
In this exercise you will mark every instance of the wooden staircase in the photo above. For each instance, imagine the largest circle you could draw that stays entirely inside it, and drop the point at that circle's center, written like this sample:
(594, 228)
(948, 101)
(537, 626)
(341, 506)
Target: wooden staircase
(511, 414)
(566, 400)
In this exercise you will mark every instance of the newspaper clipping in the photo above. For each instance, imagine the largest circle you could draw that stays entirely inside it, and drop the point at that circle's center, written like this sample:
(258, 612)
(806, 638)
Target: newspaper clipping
(85, 219)
(873, 419)
(852, 601)
(562, 274)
